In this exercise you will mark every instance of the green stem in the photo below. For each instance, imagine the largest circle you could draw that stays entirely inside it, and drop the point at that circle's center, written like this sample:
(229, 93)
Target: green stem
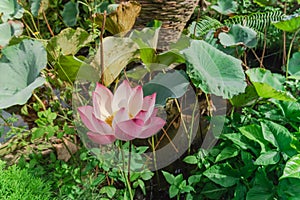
(33, 22)
(127, 179)
(39, 100)
(289, 53)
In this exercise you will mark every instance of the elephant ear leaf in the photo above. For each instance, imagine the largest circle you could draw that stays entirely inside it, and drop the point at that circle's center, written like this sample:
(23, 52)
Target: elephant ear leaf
(20, 67)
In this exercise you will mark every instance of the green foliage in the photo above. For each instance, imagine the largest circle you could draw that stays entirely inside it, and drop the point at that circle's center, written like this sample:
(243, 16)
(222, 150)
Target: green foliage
(289, 23)
(20, 67)
(294, 64)
(10, 9)
(17, 184)
(169, 85)
(239, 35)
(257, 157)
(177, 185)
(203, 26)
(70, 13)
(210, 72)
(257, 21)
(269, 85)
(225, 7)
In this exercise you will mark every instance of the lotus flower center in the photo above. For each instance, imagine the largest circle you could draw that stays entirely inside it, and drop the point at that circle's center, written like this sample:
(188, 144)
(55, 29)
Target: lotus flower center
(109, 120)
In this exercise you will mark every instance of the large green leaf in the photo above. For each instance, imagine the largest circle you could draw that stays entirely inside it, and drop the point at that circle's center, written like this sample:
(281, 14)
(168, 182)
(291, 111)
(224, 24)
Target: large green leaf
(263, 187)
(225, 7)
(222, 174)
(68, 42)
(268, 158)
(214, 71)
(278, 136)
(20, 67)
(294, 64)
(8, 30)
(168, 85)
(290, 110)
(117, 53)
(245, 99)
(254, 132)
(70, 13)
(285, 191)
(268, 84)
(290, 23)
(10, 9)
(239, 35)
(68, 67)
(292, 168)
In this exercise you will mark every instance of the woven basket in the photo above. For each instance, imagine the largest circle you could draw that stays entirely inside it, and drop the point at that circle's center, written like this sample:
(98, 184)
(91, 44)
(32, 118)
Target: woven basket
(173, 13)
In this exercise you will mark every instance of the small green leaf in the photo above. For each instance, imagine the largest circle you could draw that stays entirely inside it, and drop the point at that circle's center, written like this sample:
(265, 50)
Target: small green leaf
(173, 191)
(70, 13)
(222, 174)
(142, 186)
(169, 177)
(110, 191)
(226, 7)
(292, 168)
(194, 179)
(166, 85)
(239, 35)
(268, 158)
(191, 160)
(226, 153)
(147, 175)
(178, 179)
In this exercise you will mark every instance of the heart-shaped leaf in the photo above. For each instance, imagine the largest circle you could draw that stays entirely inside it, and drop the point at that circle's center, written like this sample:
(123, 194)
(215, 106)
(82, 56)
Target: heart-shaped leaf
(290, 23)
(268, 84)
(214, 71)
(20, 67)
(10, 9)
(292, 168)
(168, 85)
(239, 35)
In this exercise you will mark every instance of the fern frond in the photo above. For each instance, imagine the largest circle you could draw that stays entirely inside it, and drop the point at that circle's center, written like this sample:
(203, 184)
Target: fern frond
(203, 26)
(256, 21)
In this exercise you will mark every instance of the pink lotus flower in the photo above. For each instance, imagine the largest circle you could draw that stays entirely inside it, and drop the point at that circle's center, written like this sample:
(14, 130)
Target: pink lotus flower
(124, 116)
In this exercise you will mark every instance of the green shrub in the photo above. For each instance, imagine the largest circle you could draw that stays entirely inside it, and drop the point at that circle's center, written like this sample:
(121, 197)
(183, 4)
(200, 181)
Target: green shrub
(19, 184)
